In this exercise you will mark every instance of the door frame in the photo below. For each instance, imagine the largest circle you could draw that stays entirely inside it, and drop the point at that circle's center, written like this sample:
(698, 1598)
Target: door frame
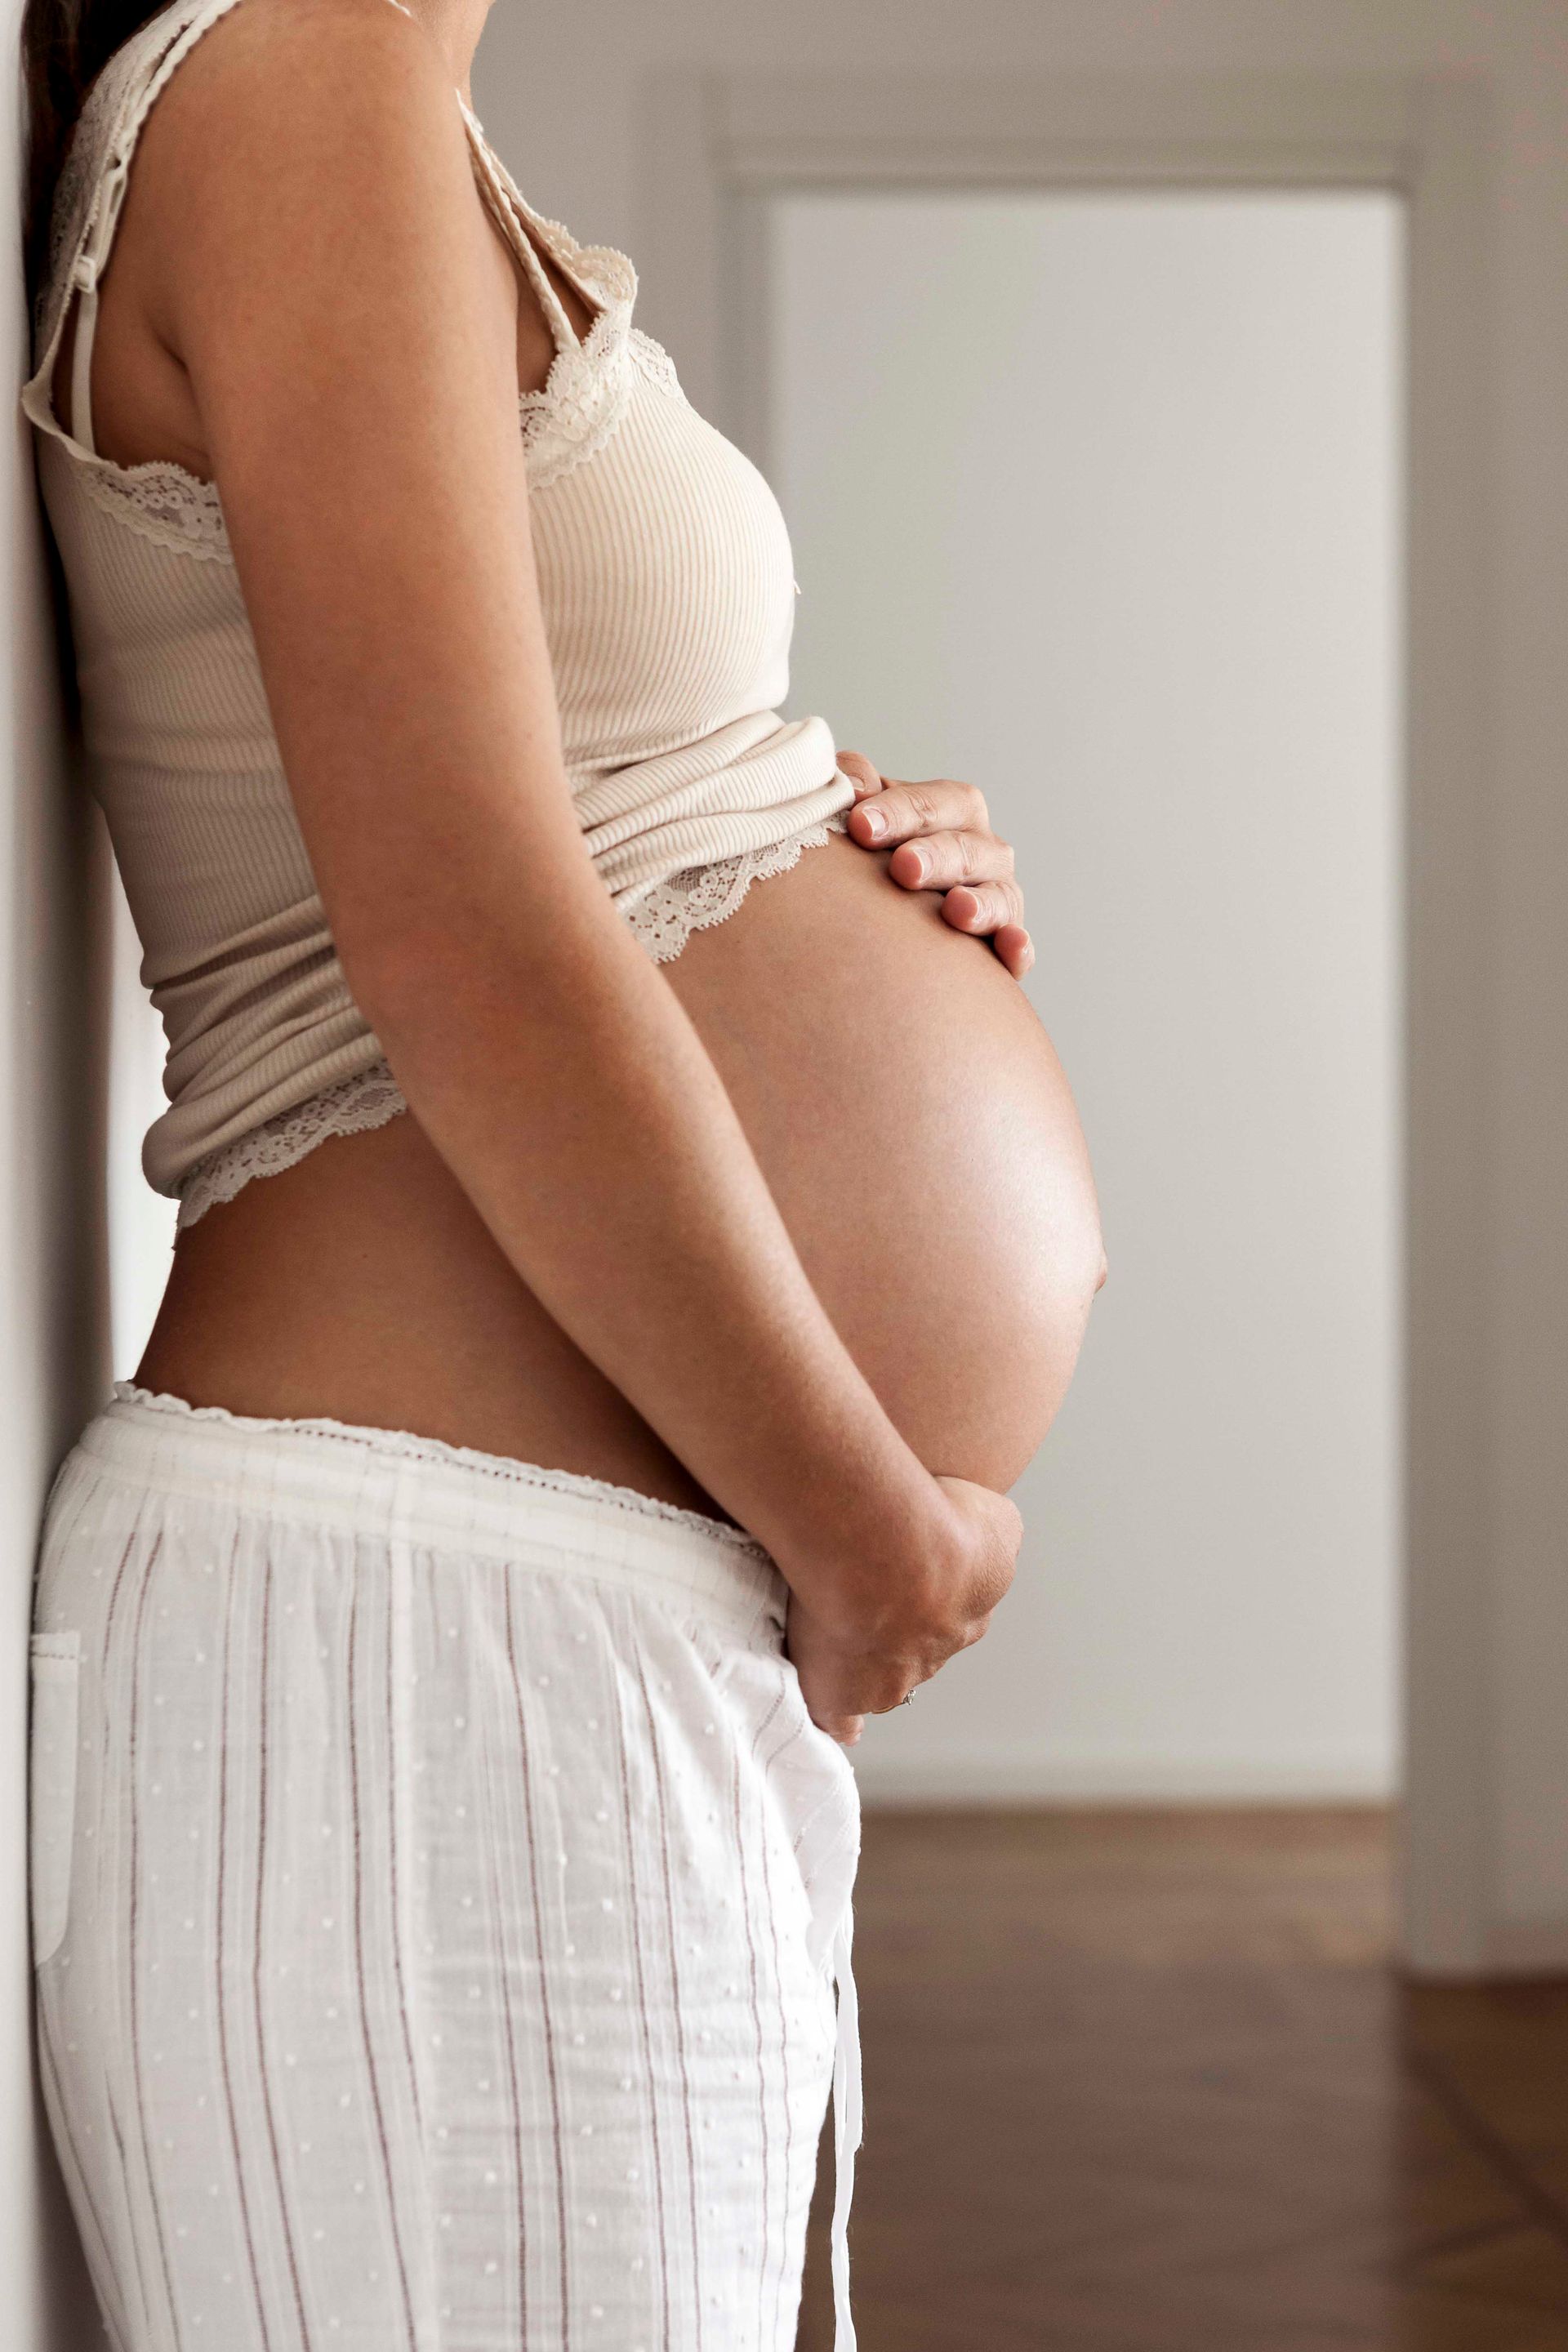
(717, 146)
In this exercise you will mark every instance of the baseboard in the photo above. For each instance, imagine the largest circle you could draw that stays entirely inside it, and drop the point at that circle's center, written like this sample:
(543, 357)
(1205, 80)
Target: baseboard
(973, 1777)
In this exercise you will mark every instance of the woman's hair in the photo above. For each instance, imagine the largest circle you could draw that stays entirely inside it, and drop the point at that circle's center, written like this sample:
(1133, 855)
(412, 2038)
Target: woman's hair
(65, 43)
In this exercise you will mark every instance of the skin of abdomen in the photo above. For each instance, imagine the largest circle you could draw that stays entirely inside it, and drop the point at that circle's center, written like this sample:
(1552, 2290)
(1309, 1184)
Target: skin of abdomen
(914, 1126)
(920, 1137)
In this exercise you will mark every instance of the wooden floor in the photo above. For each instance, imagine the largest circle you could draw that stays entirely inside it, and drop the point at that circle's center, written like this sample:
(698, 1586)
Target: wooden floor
(1148, 2083)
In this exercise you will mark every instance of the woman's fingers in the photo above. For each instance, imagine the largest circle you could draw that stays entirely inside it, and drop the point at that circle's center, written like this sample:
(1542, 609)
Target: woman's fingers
(900, 812)
(942, 860)
(992, 910)
(860, 773)
(1011, 941)
(983, 907)
(940, 838)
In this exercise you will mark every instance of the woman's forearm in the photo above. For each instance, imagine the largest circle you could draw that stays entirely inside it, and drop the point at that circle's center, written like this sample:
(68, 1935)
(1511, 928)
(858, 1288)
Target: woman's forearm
(557, 1072)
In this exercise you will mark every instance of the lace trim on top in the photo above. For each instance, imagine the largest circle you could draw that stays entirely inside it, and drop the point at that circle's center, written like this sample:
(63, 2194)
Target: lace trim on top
(583, 398)
(701, 895)
(573, 415)
(407, 1445)
(165, 503)
(663, 920)
(350, 1106)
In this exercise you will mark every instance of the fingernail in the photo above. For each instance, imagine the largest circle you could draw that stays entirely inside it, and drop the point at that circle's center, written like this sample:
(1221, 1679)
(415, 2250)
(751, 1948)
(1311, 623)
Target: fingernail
(919, 856)
(875, 823)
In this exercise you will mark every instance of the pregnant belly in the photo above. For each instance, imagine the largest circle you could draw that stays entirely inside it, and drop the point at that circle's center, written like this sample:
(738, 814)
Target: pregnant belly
(918, 1135)
(911, 1117)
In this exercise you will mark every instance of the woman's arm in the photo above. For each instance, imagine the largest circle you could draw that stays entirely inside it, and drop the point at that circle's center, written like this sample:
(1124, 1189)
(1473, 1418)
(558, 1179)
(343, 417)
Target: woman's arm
(347, 318)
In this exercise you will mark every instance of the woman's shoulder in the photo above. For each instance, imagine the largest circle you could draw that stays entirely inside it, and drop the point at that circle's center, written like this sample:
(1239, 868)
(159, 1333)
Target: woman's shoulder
(230, 95)
(271, 67)
(232, 65)
(245, 126)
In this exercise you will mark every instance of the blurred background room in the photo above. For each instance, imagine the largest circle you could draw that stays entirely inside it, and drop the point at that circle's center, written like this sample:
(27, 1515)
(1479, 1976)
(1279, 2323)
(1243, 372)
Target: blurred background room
(1166, 398)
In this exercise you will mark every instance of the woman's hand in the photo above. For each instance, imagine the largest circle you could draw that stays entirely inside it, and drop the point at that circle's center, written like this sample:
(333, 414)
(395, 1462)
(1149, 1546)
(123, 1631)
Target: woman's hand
(850, 1667)
(941, 837)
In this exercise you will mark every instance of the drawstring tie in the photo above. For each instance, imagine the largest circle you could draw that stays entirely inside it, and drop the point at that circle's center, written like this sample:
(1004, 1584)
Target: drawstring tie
(846, 2124)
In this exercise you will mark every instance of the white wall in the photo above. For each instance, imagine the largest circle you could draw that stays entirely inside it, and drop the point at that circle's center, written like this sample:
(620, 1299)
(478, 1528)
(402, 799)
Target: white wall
(51, 1268)
(141, 1221)
(1095, 499)
(596, 106)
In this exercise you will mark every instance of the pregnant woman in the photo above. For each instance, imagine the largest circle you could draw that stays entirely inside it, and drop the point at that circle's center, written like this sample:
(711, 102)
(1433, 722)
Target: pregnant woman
(633, 1230)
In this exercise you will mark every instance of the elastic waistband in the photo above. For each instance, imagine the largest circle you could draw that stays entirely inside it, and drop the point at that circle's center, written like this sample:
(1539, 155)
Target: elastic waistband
(419, 1491)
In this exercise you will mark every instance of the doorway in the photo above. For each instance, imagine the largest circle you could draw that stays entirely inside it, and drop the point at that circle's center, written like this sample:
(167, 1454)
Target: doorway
(1097, 499)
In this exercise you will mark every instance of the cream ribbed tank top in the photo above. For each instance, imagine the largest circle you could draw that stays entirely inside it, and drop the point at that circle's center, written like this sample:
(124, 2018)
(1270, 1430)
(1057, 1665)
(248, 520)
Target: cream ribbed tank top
(669, 601)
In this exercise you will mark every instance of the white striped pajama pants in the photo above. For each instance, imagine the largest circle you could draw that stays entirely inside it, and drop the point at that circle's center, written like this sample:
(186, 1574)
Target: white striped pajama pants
(438, 1888)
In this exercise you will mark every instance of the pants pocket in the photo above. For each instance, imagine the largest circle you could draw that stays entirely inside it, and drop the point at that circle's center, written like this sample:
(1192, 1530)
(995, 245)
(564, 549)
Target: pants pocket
(55, 1671)
(808, 1782)
(821, 1796)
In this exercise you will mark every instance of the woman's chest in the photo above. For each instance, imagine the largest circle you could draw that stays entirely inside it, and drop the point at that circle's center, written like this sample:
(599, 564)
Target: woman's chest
(664, 572)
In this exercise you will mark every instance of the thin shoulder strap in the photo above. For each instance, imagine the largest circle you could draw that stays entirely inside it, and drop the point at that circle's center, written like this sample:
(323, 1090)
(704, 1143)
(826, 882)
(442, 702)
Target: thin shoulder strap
(512, 217)
(178, 29)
